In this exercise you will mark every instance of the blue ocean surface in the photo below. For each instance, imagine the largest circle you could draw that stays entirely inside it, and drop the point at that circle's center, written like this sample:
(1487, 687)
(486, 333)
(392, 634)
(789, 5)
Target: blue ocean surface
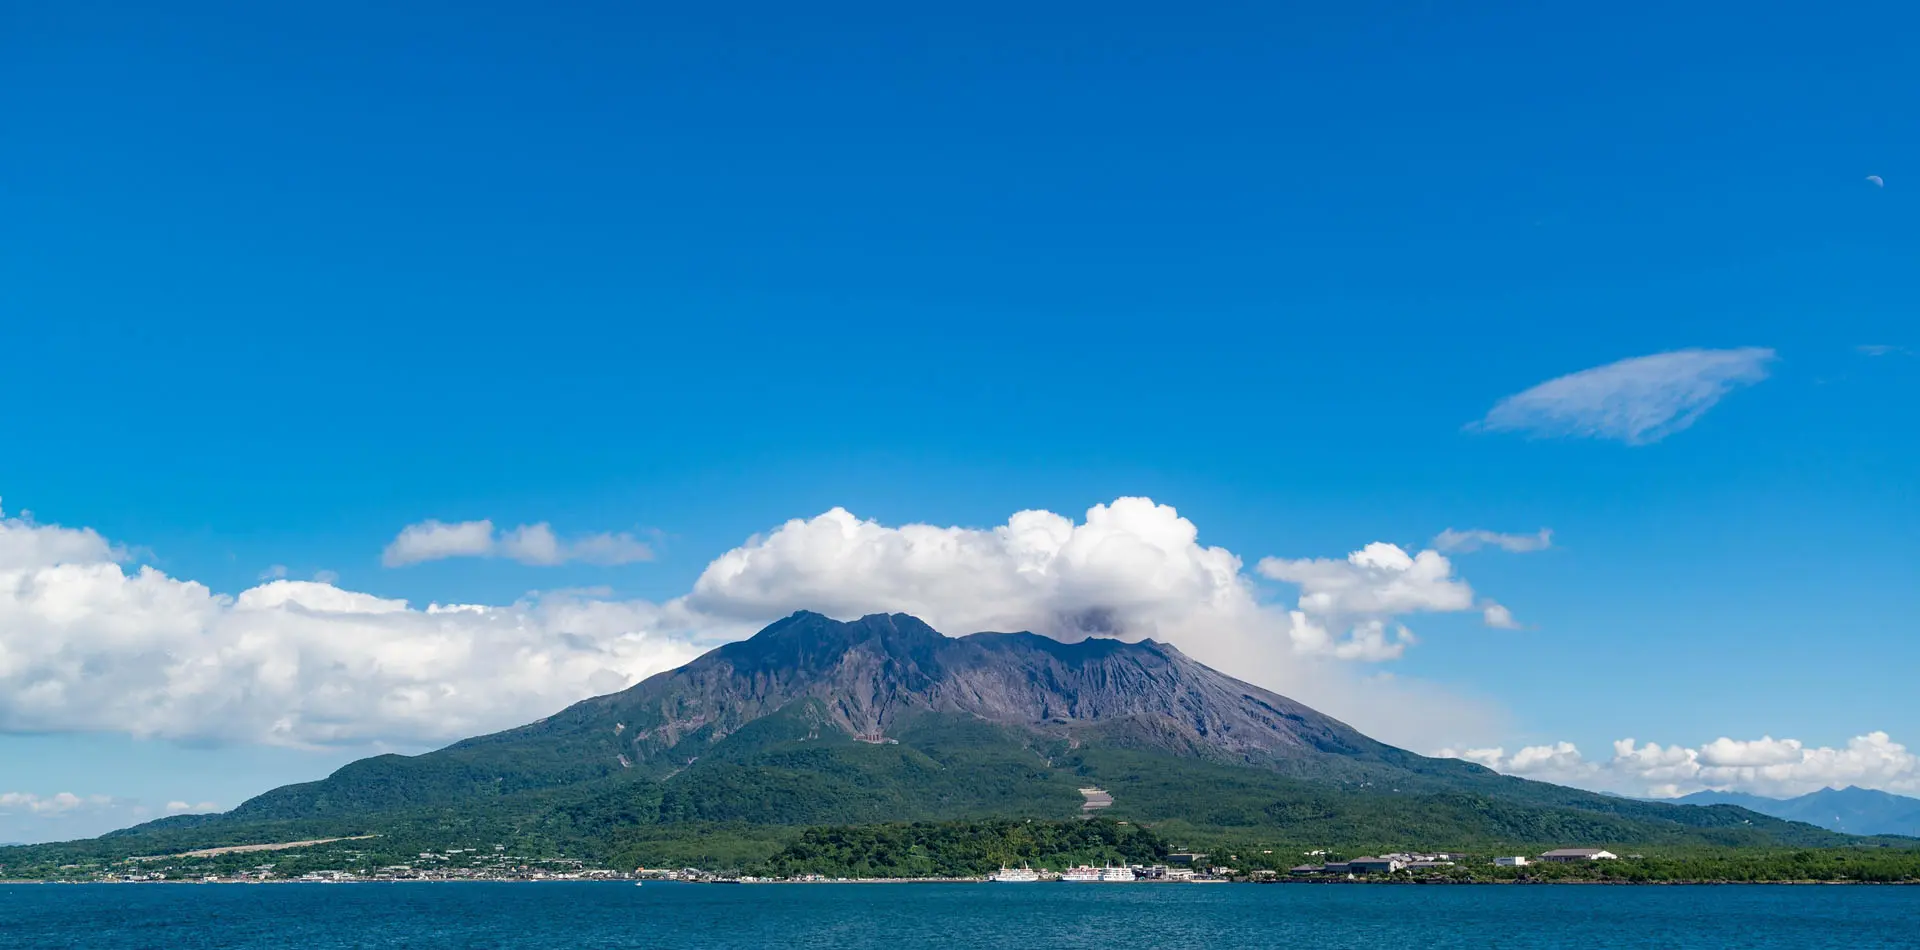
(952, 916)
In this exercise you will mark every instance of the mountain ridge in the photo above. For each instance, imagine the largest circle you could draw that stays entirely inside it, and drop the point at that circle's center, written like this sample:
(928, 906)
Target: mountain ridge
(882, 668)
(1852, 810)
(814, 721)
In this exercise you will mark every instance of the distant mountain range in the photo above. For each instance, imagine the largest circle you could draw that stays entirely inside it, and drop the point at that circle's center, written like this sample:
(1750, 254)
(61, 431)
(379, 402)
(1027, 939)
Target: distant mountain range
(1859, 811)
(814, 721)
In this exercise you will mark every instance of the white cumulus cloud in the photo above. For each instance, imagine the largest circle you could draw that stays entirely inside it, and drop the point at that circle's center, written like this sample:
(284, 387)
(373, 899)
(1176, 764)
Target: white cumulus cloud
(1133, 569)
(1779, 768)
(1369, 640)
(63, 816)
(434, 540)
(1380, 578)
(1498, 617)
(1558, 757)
(1636, 401)
(189, 808)
(1764, 751)
(90, 643)
(1362, 594)
(25, 543)
(61, 802)
(529, 544)
(87, 644)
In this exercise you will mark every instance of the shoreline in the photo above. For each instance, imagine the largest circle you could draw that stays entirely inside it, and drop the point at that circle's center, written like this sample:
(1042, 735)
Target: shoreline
(961, 880)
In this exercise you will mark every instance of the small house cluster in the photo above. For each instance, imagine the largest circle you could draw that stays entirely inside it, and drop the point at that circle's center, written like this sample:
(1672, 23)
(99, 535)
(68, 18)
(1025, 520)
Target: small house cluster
(1558, 856)
(1576, 855)
(1380, 864)
(1400, 861)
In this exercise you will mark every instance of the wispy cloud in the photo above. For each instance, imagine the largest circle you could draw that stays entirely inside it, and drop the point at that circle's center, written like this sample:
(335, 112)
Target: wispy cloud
(1466, 542)
(1882, 349)
(528, 544)
(1637, 401)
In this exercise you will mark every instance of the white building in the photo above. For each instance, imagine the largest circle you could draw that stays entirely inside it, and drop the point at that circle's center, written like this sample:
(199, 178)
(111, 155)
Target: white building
(1513, 862)
(1575, 855)
(1373, 865)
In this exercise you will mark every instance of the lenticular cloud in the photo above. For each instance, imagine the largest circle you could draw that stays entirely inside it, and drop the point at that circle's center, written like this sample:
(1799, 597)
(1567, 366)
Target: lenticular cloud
(1636, 401)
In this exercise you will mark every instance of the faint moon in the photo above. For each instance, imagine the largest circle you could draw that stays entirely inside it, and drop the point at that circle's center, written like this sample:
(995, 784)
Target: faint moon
(1877, 183)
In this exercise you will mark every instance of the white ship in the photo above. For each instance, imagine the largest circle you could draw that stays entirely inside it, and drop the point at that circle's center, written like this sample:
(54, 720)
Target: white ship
(1081, 873)
(1113, 874)
(1007, 875)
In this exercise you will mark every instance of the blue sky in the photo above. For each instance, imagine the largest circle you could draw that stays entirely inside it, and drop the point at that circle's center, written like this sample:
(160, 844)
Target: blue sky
(278, 283)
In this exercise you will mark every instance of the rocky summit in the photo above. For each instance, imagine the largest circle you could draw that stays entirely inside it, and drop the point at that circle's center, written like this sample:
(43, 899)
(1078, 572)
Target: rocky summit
(877, 675)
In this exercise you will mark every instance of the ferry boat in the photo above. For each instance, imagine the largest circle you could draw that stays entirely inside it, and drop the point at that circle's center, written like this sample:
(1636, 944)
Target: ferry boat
(1112, 874)
(1081, 873)
(1020, 875)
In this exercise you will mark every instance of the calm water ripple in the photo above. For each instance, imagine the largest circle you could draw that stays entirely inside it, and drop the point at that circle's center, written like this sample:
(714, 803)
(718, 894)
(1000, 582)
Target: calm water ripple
(951, 917)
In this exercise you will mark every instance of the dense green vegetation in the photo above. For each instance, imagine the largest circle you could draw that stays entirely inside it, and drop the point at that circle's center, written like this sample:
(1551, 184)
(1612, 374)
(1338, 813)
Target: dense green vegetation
(920, 849)
(959, 849)
(1866, 865)
(1706, 866)
(770, 788)
(1387, 811)
(956, 849)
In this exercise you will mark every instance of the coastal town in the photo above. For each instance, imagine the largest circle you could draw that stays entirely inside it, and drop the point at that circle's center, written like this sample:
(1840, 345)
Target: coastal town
(496, 864)
(1402, 861)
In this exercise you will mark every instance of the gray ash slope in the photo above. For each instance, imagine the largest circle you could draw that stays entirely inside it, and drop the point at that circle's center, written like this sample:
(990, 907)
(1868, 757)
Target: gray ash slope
(876, 674)
(816, 721)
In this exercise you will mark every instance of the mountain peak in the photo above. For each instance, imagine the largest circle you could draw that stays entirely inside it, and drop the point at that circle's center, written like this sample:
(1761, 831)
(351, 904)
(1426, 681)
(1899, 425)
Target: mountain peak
(815, 621)
(873, 676)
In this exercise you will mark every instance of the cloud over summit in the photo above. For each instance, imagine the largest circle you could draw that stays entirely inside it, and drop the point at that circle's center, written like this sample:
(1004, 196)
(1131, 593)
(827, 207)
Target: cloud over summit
(1132, 568)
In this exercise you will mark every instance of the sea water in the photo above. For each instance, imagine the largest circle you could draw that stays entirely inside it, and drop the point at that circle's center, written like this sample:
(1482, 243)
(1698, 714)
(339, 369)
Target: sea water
(952, 916)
